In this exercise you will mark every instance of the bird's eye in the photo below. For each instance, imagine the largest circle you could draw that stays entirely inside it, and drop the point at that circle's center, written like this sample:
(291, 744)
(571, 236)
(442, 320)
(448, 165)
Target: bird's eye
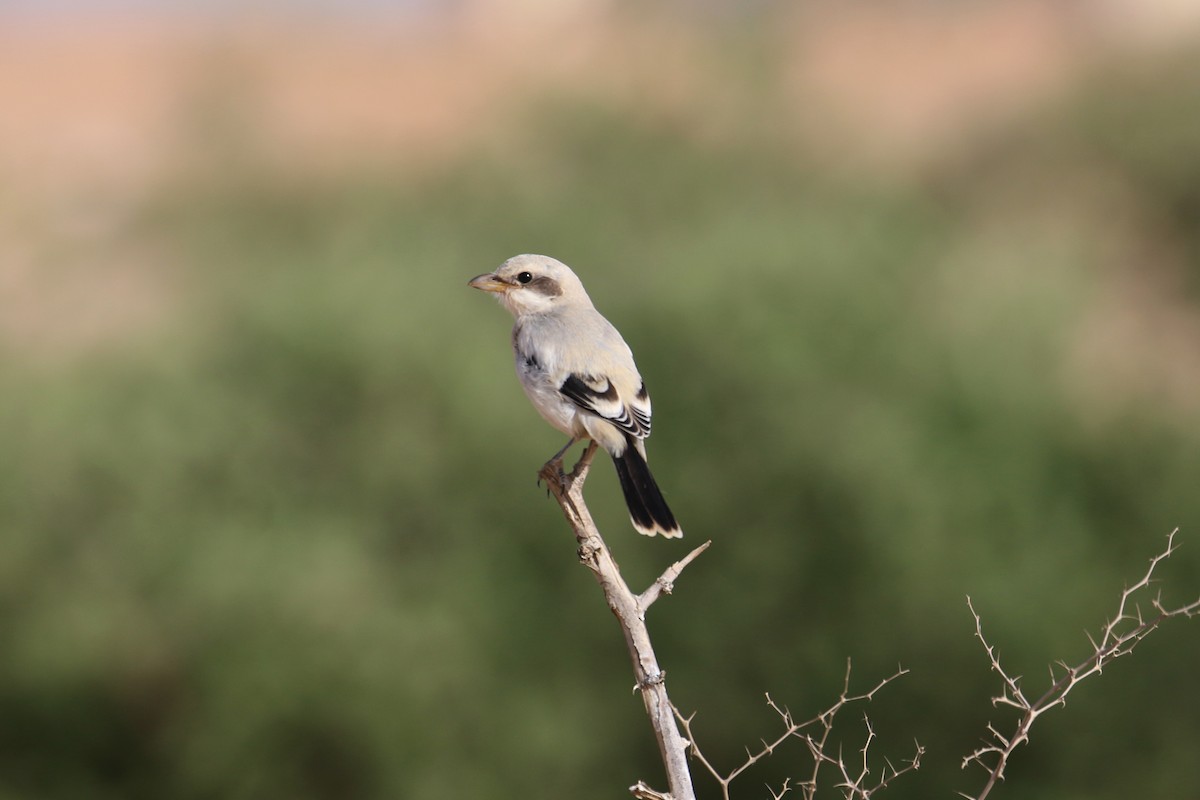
(524, 277)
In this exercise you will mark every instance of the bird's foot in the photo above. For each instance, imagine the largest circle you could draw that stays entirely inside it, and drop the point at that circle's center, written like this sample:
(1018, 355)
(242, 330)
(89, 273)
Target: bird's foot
(552, 470)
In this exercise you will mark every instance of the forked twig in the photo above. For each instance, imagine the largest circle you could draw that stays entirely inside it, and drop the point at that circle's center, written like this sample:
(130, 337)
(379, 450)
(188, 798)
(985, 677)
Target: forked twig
(1118, 637)
(814, 733)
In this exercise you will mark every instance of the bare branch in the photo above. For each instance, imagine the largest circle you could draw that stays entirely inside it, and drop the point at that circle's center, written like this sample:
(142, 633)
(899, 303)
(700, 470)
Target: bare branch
(629, 610)
(1118, 637)
(666, 582)
(814, 733)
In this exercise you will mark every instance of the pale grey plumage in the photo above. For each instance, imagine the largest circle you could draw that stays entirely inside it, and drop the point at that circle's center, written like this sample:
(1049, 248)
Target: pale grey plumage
(580, 375)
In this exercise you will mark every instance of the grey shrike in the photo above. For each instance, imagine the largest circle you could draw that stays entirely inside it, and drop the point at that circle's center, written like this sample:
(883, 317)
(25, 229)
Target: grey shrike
(580, 376)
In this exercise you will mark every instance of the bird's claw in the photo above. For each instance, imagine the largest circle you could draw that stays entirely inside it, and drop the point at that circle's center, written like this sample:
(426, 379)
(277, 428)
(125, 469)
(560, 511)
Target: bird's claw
(551, 470)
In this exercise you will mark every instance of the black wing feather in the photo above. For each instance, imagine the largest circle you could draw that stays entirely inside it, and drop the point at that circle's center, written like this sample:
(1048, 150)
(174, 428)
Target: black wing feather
(599, 396)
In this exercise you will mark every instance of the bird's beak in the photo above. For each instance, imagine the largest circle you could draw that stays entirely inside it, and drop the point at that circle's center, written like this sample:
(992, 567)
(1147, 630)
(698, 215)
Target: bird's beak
(488, 282)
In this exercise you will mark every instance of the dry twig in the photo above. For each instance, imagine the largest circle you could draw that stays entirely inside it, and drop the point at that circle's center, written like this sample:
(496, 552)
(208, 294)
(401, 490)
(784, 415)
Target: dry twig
(814, 732)
(858, 780)
(1118, 637)
(630, 611)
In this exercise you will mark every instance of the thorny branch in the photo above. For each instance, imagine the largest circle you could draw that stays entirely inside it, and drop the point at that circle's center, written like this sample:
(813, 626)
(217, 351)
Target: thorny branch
(630, 611)
(1118, 637)
(856, 783)
(859, 779)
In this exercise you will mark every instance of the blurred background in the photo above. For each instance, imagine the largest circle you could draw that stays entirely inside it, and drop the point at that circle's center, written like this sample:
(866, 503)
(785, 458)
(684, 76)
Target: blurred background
(915, 286)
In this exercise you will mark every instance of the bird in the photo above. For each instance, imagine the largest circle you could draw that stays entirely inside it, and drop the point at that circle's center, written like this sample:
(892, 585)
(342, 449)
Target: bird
(580, 376)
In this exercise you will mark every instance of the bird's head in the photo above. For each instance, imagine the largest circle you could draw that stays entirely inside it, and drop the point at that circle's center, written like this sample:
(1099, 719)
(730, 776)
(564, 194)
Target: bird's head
(532, 284)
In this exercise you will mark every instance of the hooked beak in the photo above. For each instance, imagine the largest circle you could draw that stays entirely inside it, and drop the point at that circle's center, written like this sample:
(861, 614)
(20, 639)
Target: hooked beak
(488, 282)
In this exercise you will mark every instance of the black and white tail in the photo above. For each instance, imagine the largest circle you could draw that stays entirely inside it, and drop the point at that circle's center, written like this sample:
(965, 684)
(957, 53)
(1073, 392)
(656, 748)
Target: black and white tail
(647, 508)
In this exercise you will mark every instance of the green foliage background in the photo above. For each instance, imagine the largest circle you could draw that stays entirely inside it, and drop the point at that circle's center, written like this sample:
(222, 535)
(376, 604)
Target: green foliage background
(291, 545)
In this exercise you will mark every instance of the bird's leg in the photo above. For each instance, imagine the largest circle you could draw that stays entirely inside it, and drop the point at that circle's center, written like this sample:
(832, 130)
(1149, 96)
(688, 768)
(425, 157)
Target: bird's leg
(554, 465)
(584, 462)
(558, 457)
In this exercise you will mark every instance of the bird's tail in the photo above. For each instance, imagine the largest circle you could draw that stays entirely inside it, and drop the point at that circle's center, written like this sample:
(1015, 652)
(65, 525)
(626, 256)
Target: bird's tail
(647, 508)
